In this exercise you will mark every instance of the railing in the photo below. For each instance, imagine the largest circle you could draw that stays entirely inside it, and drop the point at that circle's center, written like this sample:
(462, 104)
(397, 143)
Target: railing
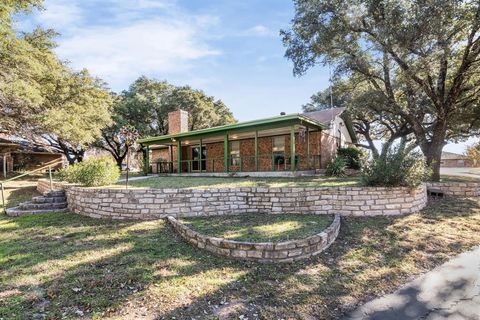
(266, 162)
(48, 165)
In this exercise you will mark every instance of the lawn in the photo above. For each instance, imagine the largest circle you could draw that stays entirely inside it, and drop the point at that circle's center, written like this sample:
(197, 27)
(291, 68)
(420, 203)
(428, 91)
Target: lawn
(19, 191)
(260, 227)
(214, 182)
(68, 266)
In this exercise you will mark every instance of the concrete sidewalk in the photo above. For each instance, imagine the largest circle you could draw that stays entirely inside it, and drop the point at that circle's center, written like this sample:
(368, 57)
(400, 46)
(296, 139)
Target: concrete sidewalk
(451, 291)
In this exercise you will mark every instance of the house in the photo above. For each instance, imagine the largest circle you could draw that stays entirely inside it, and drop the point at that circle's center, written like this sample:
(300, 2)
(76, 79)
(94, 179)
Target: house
(17, 154)
(292, 143)
(450, 159)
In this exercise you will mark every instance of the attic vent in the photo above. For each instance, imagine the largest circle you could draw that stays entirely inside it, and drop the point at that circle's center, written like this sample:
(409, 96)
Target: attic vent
(282, 113)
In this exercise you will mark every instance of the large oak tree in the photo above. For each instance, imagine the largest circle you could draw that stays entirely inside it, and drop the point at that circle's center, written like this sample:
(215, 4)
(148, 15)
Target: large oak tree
(421, 57)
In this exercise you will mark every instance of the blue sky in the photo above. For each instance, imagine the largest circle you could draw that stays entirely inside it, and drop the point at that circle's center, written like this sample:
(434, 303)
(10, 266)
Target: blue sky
(230, 49)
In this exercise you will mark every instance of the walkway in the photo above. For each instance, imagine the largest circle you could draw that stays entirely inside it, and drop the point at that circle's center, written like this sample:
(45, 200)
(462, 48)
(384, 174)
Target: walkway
(451, 291)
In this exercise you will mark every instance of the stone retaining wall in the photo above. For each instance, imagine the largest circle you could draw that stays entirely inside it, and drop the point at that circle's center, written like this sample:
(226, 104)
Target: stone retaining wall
(43, 185)
(288, 251)
(458, 189)
(160, 203)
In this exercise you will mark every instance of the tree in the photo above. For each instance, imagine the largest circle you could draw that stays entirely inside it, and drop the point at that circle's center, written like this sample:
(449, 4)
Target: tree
(473, 153)
(145, 106)
(78, 108)
(327, 99)
(421, 57)
(27, 66)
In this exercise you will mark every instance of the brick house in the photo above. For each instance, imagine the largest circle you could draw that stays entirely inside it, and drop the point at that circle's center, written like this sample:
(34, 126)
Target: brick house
(286, 143)
(19, 155)
(452, 160)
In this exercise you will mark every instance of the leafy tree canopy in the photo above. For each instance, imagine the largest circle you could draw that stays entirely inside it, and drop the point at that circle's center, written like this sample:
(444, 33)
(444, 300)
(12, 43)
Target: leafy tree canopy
(421, 57)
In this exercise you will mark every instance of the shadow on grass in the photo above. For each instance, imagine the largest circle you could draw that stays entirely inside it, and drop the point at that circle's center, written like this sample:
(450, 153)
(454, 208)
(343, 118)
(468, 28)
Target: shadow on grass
(66, 265)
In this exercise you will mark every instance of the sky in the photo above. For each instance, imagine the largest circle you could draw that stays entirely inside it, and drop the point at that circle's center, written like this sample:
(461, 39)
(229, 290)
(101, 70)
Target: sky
(230, 49)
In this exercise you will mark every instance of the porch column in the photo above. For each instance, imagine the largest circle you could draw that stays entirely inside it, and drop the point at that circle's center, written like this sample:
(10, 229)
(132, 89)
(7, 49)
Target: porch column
(179, 157)
(292, 148)
(4, 157)
(308, 148)
(200, 157)
(170, 165)
(146, 160)
(225, 153)
(256, 150)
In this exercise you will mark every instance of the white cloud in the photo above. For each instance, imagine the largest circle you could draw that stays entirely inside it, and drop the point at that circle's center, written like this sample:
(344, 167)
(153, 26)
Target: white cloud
(259, 31)
(60, 14)
(120, 54)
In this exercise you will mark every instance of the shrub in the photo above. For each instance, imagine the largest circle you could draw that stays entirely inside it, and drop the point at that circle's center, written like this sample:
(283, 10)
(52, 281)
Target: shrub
(353, 156)
(395, 169)
(337, 167)
(92, 172)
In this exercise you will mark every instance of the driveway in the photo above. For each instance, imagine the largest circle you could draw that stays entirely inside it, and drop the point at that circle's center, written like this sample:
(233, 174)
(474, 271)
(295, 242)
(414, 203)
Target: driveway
(465, 172)
(451, 291)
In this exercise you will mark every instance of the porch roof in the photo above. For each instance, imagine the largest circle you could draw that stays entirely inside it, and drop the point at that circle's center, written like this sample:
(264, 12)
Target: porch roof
(261, 124)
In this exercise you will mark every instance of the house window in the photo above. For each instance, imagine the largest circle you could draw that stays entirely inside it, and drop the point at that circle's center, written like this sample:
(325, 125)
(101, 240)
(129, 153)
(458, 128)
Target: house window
(279, 144)
(235, 153)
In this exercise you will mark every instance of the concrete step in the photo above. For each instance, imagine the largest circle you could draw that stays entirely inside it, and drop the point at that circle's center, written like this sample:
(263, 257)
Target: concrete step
(42, 206)
(43, 199)
(17, 212)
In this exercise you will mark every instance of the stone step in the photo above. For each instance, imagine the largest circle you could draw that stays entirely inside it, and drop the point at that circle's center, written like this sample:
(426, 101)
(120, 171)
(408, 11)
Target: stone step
(42, 206)
(43, 199)
(55, 193)
(17, 212)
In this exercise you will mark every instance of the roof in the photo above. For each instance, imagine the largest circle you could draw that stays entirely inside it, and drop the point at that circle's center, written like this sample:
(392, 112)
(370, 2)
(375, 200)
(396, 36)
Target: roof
(261, 124)
(452, 156)
(325, 116)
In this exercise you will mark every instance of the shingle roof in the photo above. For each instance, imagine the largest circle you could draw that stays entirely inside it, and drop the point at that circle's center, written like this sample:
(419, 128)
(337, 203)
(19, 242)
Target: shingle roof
(325, 116)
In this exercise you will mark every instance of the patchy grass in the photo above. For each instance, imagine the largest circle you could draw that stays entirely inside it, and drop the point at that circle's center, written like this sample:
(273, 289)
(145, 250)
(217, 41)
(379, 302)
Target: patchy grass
(260, 227)
(19, 191)
(452, 178)
(66, 266)
(211, 182)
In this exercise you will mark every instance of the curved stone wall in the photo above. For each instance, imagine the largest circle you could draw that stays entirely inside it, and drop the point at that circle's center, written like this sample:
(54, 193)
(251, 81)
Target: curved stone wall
(288, 251)
(160, 203)
(457, 189)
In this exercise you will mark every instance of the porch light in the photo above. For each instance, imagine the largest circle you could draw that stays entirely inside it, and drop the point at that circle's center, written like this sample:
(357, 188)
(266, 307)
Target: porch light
(234, 136)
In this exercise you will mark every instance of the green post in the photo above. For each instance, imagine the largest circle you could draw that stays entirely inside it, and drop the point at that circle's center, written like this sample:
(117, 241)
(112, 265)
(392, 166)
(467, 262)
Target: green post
(292, 148)
(308, 148)
(200, 157)
(225, 153)
(179, 157)
(146, 160)
(256, 150)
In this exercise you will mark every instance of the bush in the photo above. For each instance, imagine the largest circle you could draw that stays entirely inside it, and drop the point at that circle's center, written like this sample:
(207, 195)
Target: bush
(92, 172)
(337, 168)
(353, 156)
(395, 169)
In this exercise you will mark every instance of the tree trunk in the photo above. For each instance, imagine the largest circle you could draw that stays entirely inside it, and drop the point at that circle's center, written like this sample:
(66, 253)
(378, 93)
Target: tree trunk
(433, 157)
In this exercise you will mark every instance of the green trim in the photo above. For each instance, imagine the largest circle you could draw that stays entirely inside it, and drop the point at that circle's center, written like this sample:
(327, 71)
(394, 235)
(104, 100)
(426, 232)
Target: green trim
(146, 160)
(262, 124)
(179, 157)
(292, 148)
(200, 157)
(225, 153)
(256, 150)
(308, 146)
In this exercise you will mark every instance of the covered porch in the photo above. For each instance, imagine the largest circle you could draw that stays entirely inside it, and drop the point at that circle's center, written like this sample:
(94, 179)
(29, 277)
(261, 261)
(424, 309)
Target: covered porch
(281, 144)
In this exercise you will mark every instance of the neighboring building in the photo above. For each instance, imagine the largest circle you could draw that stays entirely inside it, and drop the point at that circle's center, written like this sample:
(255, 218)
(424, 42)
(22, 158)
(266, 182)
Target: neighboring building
(296, 142)
(19, 155)
(450, 159)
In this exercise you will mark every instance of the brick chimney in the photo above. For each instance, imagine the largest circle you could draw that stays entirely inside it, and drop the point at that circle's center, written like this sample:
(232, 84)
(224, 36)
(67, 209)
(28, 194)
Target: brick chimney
(177, 121)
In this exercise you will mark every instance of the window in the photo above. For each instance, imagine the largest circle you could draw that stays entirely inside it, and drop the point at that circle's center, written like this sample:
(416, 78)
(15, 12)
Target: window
(235, 153)
(460, 163)
(279, 144)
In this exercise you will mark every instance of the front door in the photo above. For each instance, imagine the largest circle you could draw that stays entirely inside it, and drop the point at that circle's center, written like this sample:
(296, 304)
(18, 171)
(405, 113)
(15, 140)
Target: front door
(196, 157)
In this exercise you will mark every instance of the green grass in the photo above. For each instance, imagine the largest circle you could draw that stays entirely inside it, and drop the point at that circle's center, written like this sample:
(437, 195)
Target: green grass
(260, 227)
(65, 265)
(211, 182)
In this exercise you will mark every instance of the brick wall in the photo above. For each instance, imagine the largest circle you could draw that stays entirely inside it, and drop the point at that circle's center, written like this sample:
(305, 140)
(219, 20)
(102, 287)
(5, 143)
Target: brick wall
(159, 203)
(271, 252)
(177, 121)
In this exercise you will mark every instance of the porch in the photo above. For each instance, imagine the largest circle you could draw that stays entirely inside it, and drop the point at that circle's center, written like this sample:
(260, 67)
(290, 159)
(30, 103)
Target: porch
(288, 144)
